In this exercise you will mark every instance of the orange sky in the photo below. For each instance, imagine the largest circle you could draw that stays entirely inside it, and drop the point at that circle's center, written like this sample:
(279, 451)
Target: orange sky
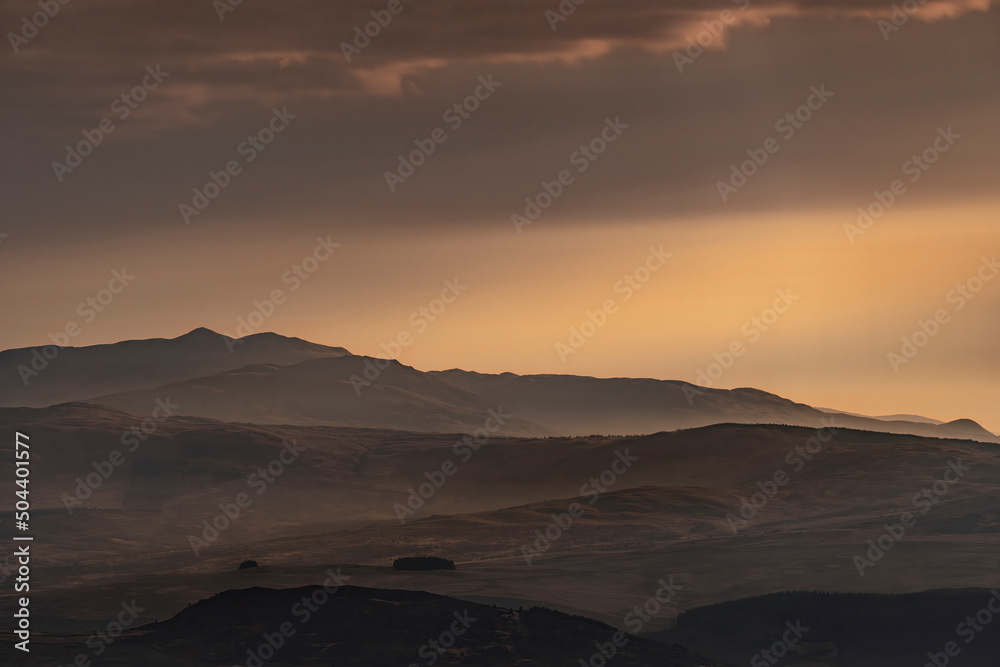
(657, 184)
(854, 303)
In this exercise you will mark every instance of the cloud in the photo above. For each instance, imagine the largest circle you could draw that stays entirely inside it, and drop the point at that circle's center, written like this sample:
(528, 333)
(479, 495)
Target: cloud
(89, 51)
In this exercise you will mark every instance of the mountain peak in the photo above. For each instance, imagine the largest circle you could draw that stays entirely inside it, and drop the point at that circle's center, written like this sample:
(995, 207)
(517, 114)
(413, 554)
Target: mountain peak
(967, 425)
(131, 365)
(200, 332)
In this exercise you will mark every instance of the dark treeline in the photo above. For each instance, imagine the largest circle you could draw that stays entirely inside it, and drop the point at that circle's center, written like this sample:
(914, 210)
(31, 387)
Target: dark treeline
(423, 563)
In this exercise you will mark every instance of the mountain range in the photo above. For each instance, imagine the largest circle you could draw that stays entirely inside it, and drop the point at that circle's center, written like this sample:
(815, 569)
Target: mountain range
(141, 452)
(271, 379)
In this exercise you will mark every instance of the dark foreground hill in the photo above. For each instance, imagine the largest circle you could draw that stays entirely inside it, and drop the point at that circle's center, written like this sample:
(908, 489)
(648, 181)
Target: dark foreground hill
(369, 628)
(958, 628)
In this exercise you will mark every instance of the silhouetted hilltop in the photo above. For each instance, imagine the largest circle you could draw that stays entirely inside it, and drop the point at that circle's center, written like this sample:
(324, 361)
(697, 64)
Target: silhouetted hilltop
(850, 629)
(47, 375)
(374, 628)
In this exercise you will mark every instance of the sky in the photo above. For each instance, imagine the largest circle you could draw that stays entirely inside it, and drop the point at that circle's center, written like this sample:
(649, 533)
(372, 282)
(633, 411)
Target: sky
(728, 144)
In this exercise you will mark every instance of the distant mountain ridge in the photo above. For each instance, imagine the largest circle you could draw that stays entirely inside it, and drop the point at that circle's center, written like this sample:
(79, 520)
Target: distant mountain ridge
(576, 405)
(271, 379)
(31, 378)
(331, 391)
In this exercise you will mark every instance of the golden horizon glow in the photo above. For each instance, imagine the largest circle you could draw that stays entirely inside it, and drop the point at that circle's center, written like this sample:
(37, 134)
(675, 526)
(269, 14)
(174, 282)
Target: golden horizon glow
(855, 302)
